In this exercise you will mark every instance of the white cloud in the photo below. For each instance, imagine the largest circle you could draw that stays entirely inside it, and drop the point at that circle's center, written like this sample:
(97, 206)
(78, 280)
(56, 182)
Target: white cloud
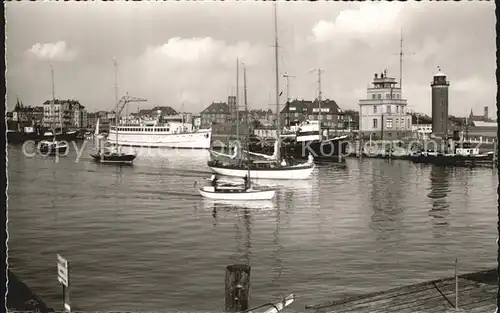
(204, 51)
(369, 18)
(53, 51)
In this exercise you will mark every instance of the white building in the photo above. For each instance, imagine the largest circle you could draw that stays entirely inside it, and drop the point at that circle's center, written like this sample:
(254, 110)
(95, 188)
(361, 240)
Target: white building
(384, 114)
(422, 131)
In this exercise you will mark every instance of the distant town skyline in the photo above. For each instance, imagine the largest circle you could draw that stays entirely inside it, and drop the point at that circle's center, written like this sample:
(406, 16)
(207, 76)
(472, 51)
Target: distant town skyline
(185, 52)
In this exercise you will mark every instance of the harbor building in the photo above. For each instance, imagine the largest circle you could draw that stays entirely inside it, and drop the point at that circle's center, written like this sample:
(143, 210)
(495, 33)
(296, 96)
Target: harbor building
(66, 113)
(439, 88)
(384, 114)
(297, 111)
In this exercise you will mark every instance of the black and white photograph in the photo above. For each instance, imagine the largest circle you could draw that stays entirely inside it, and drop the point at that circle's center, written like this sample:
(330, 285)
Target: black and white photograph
(251, 156)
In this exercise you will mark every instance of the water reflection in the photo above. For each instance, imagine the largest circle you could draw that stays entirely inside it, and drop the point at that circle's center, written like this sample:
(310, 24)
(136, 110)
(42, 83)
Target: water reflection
(439, 188)
(278, 251)
(386, 193)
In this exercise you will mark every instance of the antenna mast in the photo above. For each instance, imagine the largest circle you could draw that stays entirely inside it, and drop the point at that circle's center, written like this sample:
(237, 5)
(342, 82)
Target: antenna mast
(401, 54)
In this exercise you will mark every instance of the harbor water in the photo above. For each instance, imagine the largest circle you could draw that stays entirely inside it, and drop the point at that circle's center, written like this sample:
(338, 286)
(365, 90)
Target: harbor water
(140, 238)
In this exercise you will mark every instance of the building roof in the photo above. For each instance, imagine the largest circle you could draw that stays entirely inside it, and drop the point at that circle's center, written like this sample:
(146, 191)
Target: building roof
(485, 124)
(216, 108)
(311, 107)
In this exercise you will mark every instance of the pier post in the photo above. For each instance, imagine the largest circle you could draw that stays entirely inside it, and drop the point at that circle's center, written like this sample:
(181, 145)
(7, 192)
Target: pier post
(456, 284)
(237, 288)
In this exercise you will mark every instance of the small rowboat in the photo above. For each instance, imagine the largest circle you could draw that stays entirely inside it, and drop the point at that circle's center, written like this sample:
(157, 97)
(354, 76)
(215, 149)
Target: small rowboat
(236, 193)
(52, 147)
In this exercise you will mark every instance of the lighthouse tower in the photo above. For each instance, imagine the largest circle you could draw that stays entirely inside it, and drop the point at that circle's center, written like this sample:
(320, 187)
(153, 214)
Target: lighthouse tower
(439, 87)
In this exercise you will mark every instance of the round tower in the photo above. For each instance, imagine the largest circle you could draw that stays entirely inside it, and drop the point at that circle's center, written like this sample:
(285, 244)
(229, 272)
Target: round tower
(439, 87)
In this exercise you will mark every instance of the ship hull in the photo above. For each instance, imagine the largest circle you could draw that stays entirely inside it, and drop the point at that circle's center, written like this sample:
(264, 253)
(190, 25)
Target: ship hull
(326, 150)
(455, 160)
(237, 194)
(301, 171)
(114, 159)
(195, 140)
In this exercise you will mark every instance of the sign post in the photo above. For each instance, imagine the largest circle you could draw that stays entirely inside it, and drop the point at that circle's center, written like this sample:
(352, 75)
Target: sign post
(63, 278)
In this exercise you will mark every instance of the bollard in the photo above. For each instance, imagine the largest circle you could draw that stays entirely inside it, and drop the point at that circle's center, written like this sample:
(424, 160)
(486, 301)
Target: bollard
(237, 288)
(456, 284)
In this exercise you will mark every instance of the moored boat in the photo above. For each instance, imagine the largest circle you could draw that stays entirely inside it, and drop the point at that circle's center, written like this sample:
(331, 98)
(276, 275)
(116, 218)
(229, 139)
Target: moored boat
(277, 168)
(461, 156)
(115, 157)
(53, 147)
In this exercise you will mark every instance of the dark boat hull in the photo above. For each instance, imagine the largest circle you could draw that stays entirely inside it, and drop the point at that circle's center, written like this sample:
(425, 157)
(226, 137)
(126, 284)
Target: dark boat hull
(51, 150)
(21, 137)
(114, 159)
(326, 150)
(456, 160)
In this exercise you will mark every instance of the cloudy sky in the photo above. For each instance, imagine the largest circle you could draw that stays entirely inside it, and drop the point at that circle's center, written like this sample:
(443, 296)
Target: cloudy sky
(185, 52)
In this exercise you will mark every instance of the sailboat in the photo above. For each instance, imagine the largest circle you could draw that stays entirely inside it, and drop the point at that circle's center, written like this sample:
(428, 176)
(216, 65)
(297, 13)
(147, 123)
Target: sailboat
(246, 192)
(53, 147)
(267, 169)
(113, 154)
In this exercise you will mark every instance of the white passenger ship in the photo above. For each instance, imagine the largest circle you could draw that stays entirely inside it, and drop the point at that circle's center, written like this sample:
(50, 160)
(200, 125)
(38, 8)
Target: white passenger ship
(171, 132)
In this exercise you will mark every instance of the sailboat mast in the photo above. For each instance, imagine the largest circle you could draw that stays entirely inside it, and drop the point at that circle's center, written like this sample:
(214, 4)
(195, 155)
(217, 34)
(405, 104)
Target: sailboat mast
(115, 68)
(319, 105)
(278, 152)
(237, 99)
(116, 105)
(246, 117)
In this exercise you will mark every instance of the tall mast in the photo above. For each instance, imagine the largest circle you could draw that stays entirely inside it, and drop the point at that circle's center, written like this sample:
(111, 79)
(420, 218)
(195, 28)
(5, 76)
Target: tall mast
(246, 117)
(115, 69)
(319, 71)
(278, 139)
(53, 85)
(287, 77)
(54, 101)
(237, 99)
(116, 103)
(401, 64)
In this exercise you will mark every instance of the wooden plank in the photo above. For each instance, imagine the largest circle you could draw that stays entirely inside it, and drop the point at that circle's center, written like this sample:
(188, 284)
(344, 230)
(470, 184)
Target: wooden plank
(402, 292)
(468, 279)
(425, 299)
(428, 299)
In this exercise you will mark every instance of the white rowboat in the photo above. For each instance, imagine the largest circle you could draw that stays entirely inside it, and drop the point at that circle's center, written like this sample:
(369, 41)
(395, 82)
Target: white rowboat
(300, 171)
(235, 193)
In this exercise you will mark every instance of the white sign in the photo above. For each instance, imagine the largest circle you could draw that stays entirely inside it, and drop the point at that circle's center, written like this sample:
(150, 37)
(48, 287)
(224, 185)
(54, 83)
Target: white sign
(62, 270)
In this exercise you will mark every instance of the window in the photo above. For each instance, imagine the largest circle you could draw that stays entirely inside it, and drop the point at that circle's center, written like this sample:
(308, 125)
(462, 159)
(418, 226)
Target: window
(397, 108)
(388, 123)
(374, 109)
(379, 96)
(387, 96)
(375, 123)
(396, 123)
(388, 109)
(374, 96)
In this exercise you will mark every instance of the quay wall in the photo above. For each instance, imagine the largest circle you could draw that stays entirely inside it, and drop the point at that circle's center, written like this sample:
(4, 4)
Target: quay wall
(20, 298)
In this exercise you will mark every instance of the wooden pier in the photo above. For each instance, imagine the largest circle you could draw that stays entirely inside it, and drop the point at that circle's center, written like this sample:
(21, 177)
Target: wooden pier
(477, 292)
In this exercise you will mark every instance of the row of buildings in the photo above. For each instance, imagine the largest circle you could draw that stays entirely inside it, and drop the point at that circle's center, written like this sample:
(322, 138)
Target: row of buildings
(383, 114)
